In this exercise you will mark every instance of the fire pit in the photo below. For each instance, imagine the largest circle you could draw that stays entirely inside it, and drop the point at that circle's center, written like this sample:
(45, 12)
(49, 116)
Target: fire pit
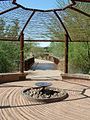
(44, 93)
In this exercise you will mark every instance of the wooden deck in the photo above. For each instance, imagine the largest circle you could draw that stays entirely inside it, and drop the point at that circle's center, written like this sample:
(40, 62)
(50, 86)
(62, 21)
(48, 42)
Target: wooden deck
(13, 105)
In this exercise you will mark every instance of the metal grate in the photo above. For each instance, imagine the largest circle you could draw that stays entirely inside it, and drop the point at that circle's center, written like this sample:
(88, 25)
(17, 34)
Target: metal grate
(39, 24)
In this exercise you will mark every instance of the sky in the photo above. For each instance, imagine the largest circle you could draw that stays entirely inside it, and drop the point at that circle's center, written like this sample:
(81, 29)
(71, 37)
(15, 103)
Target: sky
(39, 4)
(43, 5)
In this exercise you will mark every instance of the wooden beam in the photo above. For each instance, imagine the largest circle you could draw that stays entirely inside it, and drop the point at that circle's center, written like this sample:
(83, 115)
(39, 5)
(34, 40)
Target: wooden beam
(77, 10)
(30, 9)
(14, 40)
(62, 24)
(66, 53)
(82, 0)
(53, 41)
(14, 1)
(44, 40)
(8, 10)
(22, 53)
(28, 21)
(49, 10)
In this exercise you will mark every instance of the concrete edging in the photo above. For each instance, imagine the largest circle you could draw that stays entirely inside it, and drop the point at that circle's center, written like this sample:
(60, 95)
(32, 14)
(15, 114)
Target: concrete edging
(12, 77)
(75, 76)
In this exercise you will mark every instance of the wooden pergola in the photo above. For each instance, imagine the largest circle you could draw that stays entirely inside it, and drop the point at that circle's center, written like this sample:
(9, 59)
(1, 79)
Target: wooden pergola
(55, 11)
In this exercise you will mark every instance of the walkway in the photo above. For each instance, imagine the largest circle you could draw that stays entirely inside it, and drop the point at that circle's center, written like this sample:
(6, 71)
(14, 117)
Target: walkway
(13, 105)
(44, 70)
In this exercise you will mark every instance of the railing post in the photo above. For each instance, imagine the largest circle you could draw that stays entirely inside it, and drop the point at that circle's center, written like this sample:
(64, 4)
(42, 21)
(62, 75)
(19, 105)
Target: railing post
(66, 53)
(21, 52)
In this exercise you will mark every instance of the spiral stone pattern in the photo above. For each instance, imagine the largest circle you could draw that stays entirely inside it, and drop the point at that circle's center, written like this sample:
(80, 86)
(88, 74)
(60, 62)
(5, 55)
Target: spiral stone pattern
(14, 106)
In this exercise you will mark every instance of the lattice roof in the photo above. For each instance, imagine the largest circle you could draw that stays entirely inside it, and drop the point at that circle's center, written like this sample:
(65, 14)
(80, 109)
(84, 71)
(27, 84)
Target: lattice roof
(44, 24)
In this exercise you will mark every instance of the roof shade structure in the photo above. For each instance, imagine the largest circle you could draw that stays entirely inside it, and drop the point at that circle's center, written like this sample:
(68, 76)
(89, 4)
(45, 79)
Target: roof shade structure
(44, 22)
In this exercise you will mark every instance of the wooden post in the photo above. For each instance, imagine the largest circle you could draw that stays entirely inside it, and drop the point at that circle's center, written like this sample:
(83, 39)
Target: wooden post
(14, 1)
(21, 52)
(66, 53)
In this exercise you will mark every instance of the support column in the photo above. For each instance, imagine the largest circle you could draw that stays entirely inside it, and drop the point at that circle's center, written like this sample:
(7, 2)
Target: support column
(21, 52)
(66, 53)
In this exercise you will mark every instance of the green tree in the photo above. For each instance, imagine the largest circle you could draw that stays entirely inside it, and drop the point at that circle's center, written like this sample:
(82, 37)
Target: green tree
(2, 27)
(79, 57)
(12, 31)
(78, 27)
(9, 51)
(57, 49)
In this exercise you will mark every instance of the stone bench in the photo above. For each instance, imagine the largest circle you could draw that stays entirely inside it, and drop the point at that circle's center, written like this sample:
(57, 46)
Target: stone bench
(12, 77)
(75, 76)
